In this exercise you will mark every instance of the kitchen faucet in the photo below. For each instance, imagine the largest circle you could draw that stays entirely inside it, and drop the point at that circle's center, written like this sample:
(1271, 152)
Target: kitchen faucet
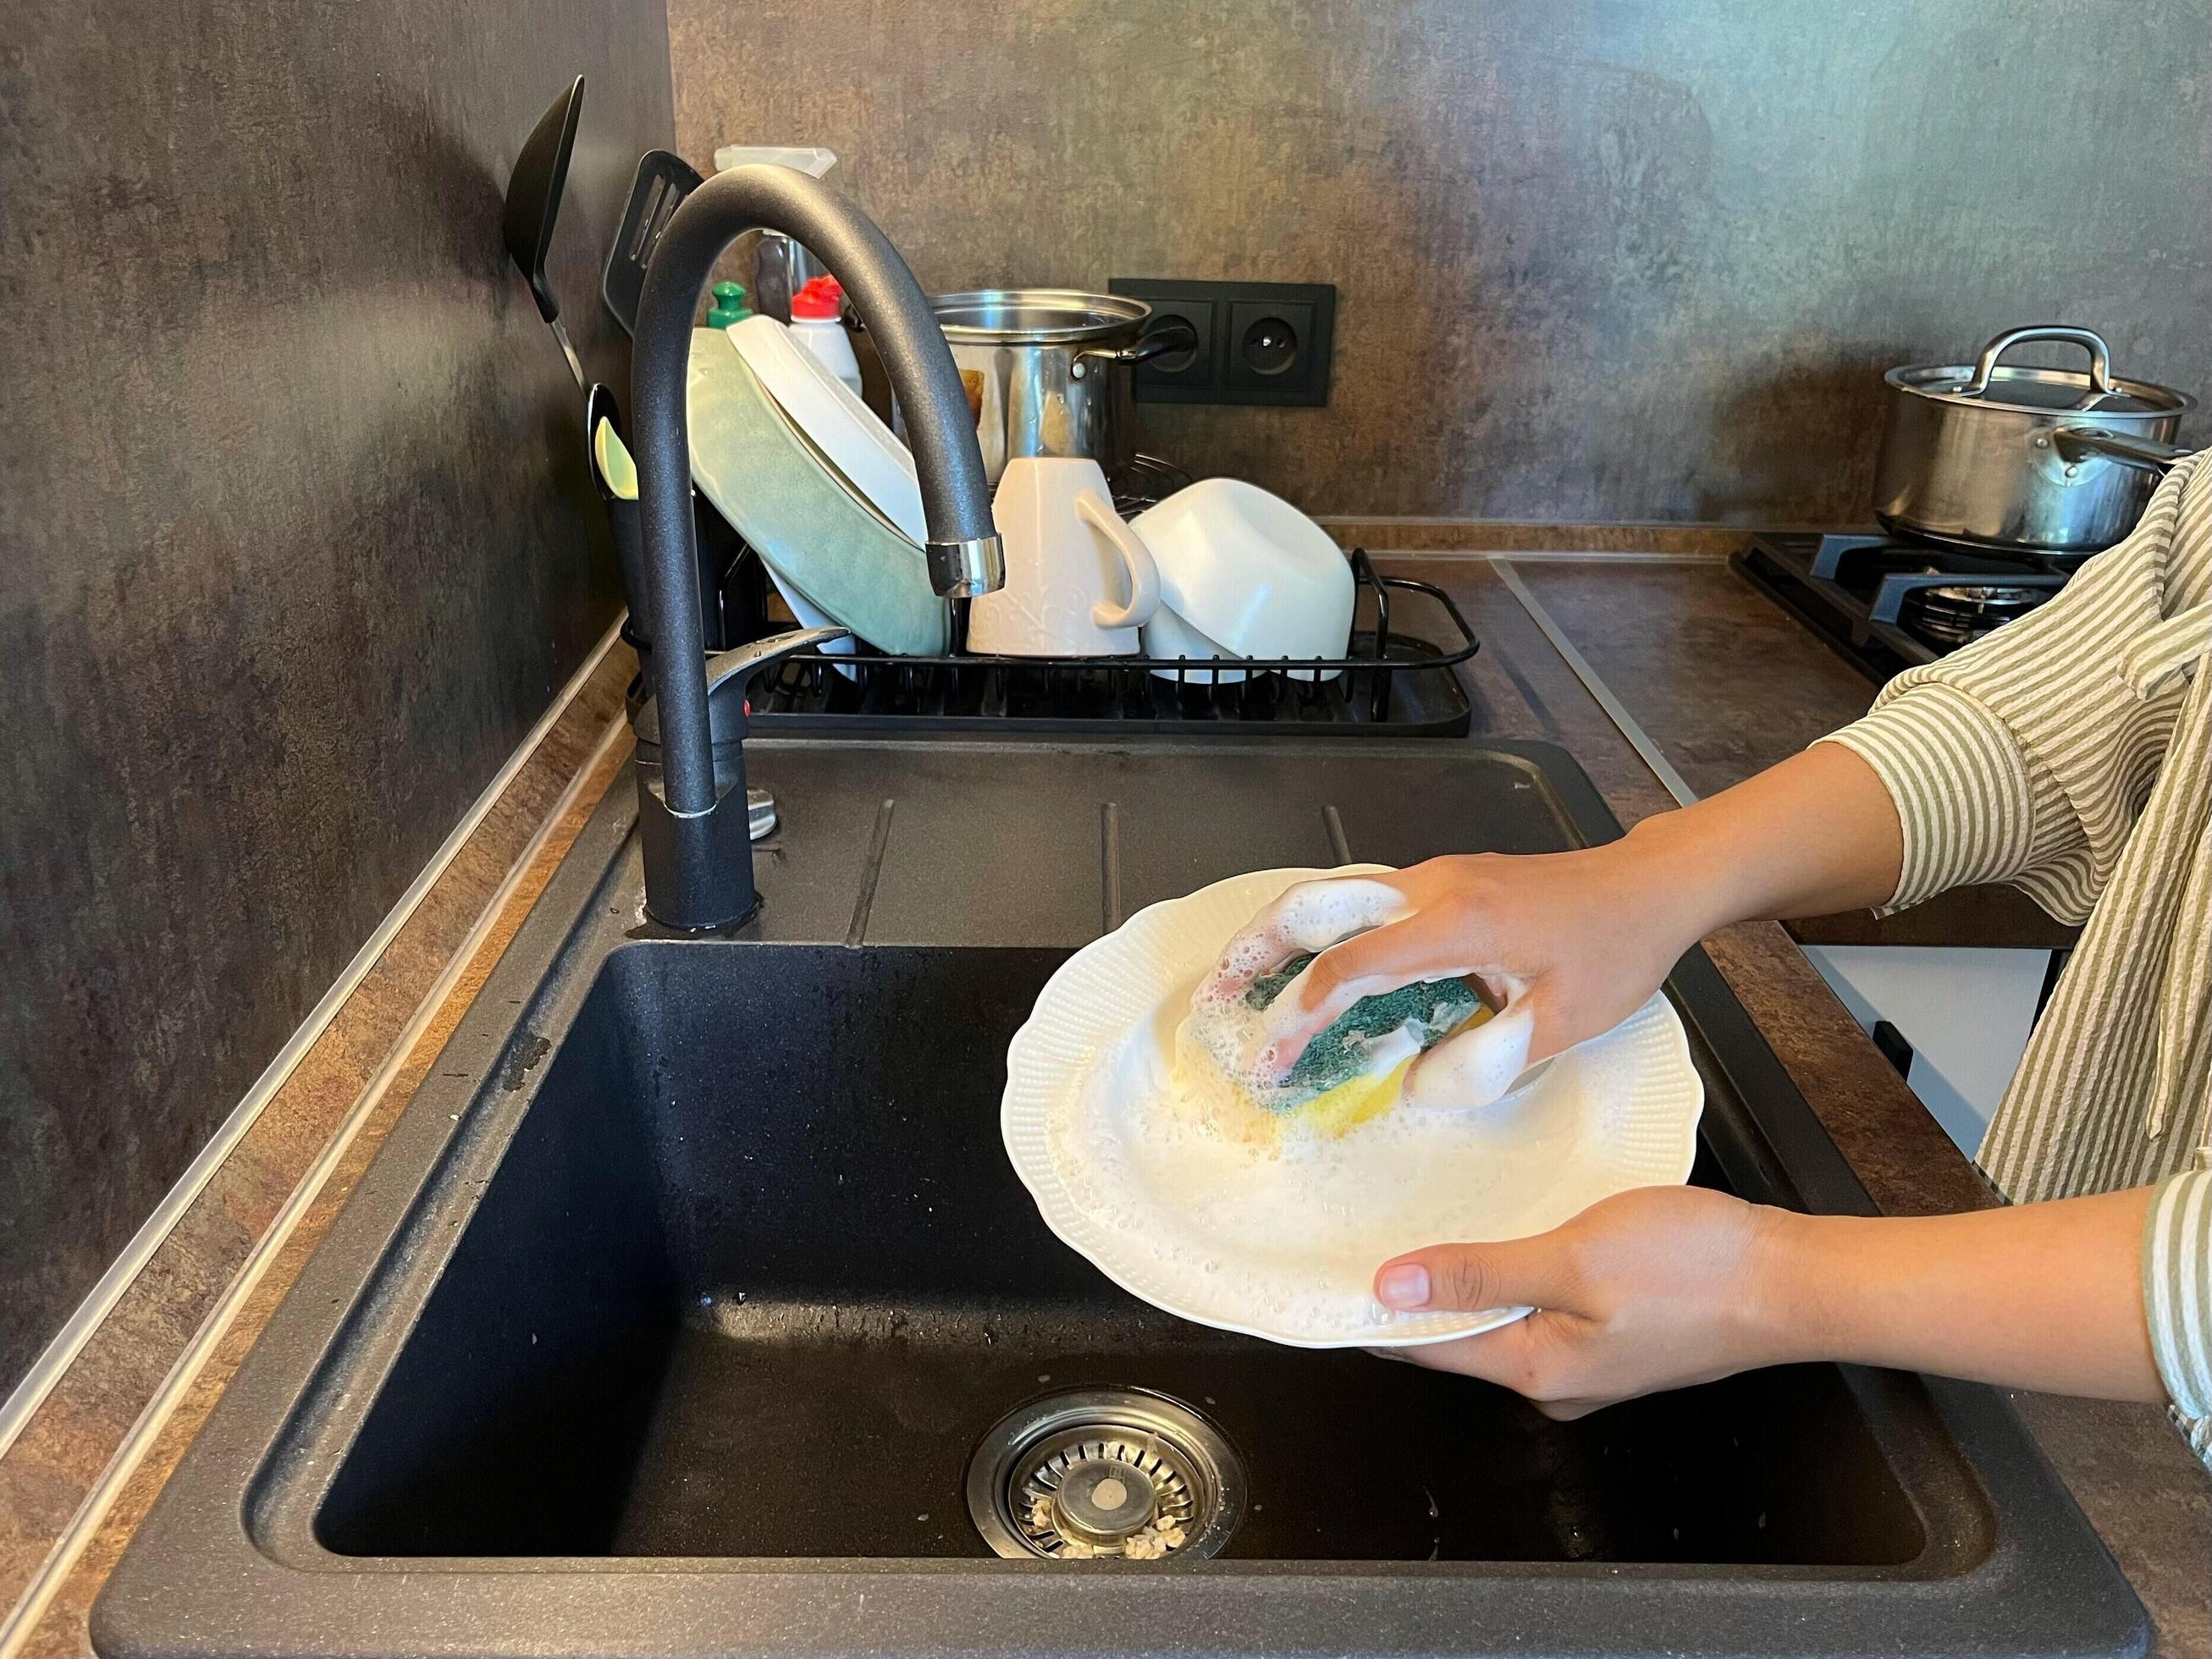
(692, 816)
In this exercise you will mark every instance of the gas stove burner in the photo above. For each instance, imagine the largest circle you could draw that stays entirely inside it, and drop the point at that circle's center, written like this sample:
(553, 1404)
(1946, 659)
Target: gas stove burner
(1962, 612)
(1890, 603)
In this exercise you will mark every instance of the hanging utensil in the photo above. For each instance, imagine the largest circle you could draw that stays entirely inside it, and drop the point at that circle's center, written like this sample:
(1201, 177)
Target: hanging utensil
(663, 181)
(533, 200)
(612, 469)
(614, 474)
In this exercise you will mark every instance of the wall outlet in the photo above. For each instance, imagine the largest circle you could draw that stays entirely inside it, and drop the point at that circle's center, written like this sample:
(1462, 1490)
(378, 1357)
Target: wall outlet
(1258, 343)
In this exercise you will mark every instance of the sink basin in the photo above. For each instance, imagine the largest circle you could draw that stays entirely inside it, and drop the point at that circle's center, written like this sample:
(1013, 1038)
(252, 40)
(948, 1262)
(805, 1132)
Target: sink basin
(755, 1279)
(682, 1300)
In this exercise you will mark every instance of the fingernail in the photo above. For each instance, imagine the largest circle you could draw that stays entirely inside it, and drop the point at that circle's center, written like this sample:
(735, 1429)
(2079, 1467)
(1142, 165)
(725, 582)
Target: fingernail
(1405, 1285)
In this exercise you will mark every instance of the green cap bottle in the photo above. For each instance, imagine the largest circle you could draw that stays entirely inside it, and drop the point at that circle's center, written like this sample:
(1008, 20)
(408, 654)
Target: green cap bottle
(729, 305)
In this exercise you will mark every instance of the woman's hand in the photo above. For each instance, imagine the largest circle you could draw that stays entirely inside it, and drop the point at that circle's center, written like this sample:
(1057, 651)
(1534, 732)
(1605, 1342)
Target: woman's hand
(1668, 1285)
(1652, 1289)
(1571, 944)
(1567, 944)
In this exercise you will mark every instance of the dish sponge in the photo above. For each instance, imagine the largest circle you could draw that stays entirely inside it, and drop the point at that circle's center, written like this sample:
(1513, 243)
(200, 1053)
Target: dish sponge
(1338, 1082)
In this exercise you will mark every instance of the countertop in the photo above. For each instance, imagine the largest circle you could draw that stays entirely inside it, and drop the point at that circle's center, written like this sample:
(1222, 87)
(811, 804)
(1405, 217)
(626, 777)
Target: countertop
(1710, 671)
(1726, 683)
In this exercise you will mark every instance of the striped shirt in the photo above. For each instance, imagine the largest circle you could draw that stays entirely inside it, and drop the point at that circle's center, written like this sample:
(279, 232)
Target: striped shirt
(2070, 753)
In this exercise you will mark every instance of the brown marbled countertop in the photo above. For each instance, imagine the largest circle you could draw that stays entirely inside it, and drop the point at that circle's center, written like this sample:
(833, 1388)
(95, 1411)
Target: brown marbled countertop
(1726, 683)
(1703, 663)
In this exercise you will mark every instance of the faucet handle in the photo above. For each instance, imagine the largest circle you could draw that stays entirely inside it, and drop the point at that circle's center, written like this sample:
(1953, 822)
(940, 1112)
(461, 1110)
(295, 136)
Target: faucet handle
(747, 660)
(740, 665)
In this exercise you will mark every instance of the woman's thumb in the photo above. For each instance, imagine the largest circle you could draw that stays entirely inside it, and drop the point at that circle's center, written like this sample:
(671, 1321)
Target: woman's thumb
(1476, 1278)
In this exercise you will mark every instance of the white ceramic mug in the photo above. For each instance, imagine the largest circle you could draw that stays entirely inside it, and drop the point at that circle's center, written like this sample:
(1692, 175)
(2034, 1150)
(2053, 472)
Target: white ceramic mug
(1080, 582)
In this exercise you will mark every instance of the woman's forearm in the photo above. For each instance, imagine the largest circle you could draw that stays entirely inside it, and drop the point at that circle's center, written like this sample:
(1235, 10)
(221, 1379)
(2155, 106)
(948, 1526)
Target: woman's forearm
(2039, 1296)
(2042, 1296)
(1814, 835)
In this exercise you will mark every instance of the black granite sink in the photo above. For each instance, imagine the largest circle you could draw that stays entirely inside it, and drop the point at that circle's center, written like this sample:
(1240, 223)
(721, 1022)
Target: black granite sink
(755, 1279)
(671, 1315)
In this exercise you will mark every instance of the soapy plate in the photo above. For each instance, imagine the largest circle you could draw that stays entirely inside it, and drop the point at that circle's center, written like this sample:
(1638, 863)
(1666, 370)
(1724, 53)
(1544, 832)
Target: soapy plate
(1280, 1240)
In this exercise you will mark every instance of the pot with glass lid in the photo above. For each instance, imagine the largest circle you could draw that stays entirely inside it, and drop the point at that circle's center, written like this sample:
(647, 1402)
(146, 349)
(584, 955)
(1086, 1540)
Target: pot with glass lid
(2004, 456)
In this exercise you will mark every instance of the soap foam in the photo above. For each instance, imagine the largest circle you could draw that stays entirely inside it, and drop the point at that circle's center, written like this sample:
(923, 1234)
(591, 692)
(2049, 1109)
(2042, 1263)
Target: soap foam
(1308, 918)
(1243, 1209)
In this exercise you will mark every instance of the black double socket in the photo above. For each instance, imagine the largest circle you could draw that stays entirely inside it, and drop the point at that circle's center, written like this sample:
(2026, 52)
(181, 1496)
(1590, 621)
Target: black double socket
(1257, 343)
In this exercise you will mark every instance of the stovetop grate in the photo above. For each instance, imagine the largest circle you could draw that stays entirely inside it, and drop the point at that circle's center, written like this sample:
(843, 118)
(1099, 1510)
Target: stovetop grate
(1868, 596)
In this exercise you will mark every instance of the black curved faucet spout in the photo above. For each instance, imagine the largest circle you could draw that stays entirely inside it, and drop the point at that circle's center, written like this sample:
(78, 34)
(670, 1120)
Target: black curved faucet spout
(698, 856)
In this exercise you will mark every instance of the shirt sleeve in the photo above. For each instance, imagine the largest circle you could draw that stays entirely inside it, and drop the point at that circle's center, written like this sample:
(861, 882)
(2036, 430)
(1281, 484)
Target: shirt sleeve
(2026, 756)
(2178, 1297)
(1959, 778)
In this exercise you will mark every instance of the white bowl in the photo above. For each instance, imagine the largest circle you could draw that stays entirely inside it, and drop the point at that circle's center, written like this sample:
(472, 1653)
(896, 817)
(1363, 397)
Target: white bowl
(1250, 573)
(1168, 636)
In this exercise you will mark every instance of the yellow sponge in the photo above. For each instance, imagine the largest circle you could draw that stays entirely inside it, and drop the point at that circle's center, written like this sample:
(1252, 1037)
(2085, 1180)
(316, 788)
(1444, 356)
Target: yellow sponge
(1350, 1103)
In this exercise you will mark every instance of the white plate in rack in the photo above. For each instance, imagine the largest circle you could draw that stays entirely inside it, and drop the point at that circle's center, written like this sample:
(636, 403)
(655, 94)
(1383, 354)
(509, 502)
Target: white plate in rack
(1283, 1242)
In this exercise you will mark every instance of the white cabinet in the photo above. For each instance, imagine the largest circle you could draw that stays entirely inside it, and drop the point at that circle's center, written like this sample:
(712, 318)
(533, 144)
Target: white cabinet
(1967, 1012)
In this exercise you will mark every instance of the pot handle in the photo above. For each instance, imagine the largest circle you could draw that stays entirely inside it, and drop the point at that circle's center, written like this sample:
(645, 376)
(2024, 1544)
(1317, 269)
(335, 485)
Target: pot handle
(2145, 454)
(2101, 356)
(1175, 334)
(1144, 575)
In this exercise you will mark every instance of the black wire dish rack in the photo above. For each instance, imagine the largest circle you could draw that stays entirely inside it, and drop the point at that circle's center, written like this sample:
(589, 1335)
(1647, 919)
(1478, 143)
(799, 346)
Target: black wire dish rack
(1389, 682)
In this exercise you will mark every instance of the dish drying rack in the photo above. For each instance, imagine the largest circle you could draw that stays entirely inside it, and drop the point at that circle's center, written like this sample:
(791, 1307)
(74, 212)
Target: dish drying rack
(1387, 684)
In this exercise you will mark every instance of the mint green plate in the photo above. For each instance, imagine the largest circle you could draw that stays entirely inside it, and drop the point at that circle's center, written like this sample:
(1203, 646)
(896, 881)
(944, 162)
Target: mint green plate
(815, 534)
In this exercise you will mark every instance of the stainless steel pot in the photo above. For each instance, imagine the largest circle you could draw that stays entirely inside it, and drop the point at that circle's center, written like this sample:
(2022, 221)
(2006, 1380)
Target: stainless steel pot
(1048, 369)
(2003, 456)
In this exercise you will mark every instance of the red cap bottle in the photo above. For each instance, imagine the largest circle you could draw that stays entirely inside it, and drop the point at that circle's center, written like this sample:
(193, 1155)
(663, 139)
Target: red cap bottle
(818, 301)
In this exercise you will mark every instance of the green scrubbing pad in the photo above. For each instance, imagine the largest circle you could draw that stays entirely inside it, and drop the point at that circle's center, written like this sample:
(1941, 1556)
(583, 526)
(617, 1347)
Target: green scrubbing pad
(1430, 1009)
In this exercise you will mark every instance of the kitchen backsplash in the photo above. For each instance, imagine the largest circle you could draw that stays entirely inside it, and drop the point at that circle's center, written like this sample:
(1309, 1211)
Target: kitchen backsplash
(292, 535)
(1639, 260)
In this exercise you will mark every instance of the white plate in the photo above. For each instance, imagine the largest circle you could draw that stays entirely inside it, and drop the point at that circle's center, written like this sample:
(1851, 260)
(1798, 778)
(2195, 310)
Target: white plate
(1286, 1248)
(844, 431)
(810, 527)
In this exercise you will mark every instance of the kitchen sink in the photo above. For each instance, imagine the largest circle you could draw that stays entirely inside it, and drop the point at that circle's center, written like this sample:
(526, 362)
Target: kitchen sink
(687, 1302)
(755, 1279)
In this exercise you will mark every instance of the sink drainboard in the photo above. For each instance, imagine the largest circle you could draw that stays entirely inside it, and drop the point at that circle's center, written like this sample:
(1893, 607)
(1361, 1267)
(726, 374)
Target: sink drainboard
(1105, 1474)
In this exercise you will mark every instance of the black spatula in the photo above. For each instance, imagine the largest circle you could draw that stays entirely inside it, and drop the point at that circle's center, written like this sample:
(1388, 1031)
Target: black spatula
(662, 183)
(533, 200)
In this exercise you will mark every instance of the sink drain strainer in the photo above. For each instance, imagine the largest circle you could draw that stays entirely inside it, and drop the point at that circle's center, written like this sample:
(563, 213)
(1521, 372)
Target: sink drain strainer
(1106, 1474)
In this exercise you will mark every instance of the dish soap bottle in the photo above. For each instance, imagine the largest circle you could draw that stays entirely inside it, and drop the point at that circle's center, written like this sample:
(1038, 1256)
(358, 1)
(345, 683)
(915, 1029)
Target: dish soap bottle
(814, 323)
(729, 305)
